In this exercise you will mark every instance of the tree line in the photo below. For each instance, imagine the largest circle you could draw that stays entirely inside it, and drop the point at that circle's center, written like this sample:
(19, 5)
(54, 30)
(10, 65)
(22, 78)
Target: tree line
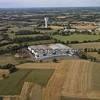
(12, 68)
(34, 38)
(27, 32)
(76, 41)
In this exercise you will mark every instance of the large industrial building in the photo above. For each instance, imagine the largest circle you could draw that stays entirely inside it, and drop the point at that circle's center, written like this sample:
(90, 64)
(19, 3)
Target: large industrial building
(41, 52)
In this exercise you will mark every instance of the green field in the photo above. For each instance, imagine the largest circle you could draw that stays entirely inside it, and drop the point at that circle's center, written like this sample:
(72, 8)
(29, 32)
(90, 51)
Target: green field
(41, 42)
(13, 84)
(77, 37)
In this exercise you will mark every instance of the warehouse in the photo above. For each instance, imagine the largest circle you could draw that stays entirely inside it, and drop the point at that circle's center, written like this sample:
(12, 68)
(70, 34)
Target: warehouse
(49, 51)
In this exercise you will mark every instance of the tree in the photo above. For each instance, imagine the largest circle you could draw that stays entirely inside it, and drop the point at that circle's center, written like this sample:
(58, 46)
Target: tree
(93, 59)
(68, 26)
(55, 60)
(85, 50)
(4, 76)
(10, 67)
(83, 56)
(99, 51)
(67, 42)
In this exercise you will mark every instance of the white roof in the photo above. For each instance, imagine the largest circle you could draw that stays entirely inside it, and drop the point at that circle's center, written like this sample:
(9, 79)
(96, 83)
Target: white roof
(39, 47)
(58, 46)
(51, 46)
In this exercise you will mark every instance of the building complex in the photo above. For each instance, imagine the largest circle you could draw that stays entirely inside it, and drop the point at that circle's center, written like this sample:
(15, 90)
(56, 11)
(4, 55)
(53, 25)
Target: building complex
(50, 51)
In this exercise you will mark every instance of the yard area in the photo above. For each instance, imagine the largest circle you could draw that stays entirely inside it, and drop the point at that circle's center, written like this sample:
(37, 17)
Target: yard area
(76, 37)
(13, 84)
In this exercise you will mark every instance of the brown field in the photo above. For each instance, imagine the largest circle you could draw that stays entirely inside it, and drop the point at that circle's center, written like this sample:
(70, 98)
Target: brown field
(26, 90)
(79, 81)
(61, 17)
(84, 26)
(72, 79)
(30, 91)
(53, 88)
(36, 93)
(55, 27)
(10, 98)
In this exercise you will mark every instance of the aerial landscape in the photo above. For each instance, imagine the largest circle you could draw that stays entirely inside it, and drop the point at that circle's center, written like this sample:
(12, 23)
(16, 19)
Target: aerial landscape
(50, 50)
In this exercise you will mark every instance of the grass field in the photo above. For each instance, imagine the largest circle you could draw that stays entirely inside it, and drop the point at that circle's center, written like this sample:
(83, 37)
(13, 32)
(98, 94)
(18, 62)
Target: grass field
(11, 59)
(42, 65)
(86, 45)
(29, 43)
(15, 29)
(5, 59)
(24, 36)
(13, 84)
(40, 42)
(77, 37)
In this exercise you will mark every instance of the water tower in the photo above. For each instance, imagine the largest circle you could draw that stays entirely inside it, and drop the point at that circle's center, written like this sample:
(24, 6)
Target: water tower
(46, 22)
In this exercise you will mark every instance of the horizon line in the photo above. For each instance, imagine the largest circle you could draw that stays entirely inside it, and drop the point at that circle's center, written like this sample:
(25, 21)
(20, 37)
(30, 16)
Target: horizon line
(50, 7)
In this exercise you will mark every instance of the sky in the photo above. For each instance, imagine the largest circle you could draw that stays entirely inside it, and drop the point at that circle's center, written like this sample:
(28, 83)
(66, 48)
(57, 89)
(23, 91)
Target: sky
(48, 3)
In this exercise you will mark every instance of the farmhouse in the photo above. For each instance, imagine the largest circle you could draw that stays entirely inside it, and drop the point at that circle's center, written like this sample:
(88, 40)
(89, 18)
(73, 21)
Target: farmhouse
(49, 51)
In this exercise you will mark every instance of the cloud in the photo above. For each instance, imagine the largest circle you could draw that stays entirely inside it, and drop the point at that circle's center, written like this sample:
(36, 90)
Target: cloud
(48, 3)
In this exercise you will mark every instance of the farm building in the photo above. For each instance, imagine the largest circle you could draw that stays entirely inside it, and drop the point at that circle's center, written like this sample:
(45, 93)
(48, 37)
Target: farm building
(51, 50)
